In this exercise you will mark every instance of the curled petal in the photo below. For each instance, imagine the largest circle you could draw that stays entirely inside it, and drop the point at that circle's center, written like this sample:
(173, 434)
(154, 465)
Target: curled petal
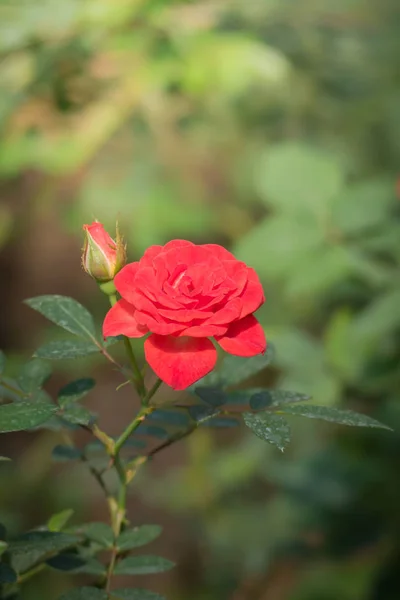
(180, 361)
(252, 295)
(121, 320)
(244, 338)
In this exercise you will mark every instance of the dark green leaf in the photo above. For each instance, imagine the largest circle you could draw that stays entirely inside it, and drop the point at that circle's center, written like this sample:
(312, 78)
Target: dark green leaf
(139, 536)
(74, 391)
(34, 375)
(153, 430)
(143, 565)
(91, 567)
(169, 417)
(59, 520)
(3, 547)
(2, 361)
(266, 398)
(7, 574)
(38, 546)
(84, 593)
(24, 415)
(270, 428)
(137, 594)
(77, 415)
(100, 533)
(9, 390)
(334, 415)
(235, 369)
(67, 561)
(200, 413)
(212, 396)
(63, 349)
(65, 312)
(220, 422)
(65, 453)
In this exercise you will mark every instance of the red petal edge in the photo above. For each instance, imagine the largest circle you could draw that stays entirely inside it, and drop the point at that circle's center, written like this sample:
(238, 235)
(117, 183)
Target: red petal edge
(120, 320)
(244, 338)
(180, 361)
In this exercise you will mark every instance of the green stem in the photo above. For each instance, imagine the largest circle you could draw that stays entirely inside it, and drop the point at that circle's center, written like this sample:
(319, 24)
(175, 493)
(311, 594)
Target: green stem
(146, 399)
(140, 417)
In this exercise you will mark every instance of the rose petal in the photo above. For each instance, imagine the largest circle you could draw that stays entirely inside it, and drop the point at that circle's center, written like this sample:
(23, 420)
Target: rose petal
(182, 361)
(252, 295)
(124, 280)
(121, 320)
(244, 338)
(220, 252)
(205, 330)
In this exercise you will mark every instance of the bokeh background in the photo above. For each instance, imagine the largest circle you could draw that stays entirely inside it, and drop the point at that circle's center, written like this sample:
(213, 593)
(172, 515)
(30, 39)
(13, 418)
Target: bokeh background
(271, 127)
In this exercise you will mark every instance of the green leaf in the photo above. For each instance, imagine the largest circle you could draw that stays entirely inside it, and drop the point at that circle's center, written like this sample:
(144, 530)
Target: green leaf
(169, 417)
(212, 396)
(65, 453)
(200, 413)
(270, 428)
(267, 398)
(84, 593)
(138, 594)
(143, 565)
(38, 546)
(2, 361)
(334, 415)
(34, 375)
(220, 422)
(66, 561)
(63, 349)
(7, 574)
(91, 567)
(59, 520)
(100, 533)
(152, 430)
(76, 390)
(10, 390)
(65, 312)
(3, 547)
(77, 415)
(24, 415)
(139, 536)
(5, 459)
(235, 369)
(294, 177)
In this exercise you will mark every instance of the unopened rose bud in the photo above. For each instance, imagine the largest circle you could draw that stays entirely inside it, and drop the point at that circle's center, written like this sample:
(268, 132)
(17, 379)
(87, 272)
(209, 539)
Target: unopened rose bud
(102, 256)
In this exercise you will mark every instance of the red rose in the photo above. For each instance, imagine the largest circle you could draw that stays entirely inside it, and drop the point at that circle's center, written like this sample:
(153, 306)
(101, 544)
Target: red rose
(102, 257)
(183, 294)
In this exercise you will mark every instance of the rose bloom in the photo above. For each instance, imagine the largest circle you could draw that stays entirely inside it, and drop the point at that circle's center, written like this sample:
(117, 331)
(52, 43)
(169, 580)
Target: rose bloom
(184, 294)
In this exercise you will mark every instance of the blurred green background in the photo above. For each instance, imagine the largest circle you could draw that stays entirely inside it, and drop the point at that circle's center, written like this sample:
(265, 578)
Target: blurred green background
(271, 127)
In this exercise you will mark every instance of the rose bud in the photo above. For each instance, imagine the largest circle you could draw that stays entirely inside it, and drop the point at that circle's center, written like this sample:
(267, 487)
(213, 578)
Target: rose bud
(102, 257)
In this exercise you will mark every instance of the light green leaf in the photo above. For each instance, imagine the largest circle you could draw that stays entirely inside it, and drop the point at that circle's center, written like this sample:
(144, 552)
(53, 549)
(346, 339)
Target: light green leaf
(270, 428)
(34, 375)
(139, 536)
(85, 593)
(143, 565)
(135, 594)
(62, 349)
(295, 177)
(77, 415)
(37, 546)
(334, 415)
(100, 533)
(65, 312)
(59, 520)
(76, 390)
(4, 459)
(363, 206)
(24, 415)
